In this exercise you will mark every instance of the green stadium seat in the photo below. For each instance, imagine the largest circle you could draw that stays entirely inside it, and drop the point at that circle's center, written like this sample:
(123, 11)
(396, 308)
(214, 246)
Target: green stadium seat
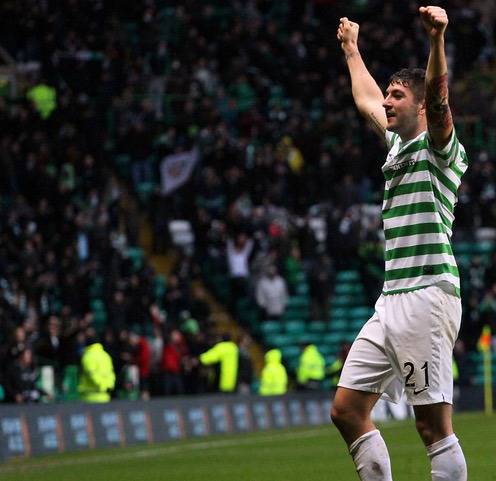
(289, 352)
(296, 314)
(279, 340)
(332, 338)
(484, 247)
(361, 312)
(267, 328)
(346, 288)
(344, 301)
(339, 312)
(144, 191)
(301, 277)
(97, 305)
(70, 382)
(298, 302)
(295, 327)
(337, 324)
(317, 326)
(136, 255)
(475, 357)
(159, 287)
(326, 349)
(350, 337)
(356, 324)
(310, 337)
(463, 248)
(347, 276)
(463, 259)
(302, 289)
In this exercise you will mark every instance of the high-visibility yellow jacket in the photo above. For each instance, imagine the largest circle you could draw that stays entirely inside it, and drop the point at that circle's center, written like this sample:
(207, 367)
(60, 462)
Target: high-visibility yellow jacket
(227, 354)
(97, 375)
(335, 371)
(311, 366)
(274, 379)
(456, 372)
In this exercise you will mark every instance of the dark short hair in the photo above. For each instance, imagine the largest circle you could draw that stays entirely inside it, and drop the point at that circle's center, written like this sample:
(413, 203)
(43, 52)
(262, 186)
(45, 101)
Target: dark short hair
(413, 78)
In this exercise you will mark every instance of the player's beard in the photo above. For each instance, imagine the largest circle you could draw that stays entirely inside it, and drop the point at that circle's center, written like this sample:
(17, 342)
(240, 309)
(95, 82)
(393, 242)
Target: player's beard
(407, 123)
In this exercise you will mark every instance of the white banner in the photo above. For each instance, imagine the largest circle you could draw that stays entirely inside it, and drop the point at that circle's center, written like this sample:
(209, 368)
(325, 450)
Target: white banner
(176, 169)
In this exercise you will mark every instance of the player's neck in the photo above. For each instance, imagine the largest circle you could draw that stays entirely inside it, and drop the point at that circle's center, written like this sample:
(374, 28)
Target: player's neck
(413, 133)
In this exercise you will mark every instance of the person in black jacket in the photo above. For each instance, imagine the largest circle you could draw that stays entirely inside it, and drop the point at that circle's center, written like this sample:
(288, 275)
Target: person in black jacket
(20, 379)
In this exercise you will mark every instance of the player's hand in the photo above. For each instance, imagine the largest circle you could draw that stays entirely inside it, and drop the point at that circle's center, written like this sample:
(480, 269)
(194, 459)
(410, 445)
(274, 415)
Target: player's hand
(347, 33)
(435, 20)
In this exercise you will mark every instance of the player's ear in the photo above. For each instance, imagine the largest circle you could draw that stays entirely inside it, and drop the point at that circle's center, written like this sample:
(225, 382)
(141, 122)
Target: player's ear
(421, 108)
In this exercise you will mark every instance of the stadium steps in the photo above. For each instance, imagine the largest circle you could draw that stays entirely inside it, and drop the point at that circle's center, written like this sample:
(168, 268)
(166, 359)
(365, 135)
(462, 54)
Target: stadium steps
(164, 265)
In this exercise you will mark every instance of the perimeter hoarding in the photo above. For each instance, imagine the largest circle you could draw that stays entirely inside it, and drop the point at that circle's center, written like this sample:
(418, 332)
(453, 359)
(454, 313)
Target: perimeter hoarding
(52, 428)
(28, 430)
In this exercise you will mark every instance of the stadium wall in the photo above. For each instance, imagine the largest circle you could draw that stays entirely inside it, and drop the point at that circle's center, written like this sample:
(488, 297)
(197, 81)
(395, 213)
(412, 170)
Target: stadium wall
(30, 430)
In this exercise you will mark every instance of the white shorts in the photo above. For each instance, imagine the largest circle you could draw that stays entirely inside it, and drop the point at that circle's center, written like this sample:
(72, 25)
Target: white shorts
(407, 345)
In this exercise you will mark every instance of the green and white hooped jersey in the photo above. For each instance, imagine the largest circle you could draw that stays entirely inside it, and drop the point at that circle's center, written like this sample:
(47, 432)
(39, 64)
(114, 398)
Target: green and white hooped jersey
(419, 200)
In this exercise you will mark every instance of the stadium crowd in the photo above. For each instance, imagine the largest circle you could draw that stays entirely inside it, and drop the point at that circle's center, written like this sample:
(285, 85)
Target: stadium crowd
(288, 180)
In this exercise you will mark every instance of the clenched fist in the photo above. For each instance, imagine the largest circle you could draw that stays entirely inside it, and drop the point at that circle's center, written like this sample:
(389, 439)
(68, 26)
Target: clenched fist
(435, 20)
(347, 34)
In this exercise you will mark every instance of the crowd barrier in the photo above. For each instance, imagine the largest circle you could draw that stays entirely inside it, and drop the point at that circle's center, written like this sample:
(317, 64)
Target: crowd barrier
(28, 430)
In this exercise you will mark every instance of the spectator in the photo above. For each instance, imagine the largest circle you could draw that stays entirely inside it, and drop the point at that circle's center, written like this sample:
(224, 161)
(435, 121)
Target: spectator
(238, 253)
(156, 341)
(272, 294)
(293, 268)
(142, 359)
(311, 369)
(48, 346)
(245, 375)
(226, 353)
(97, 373)
(336, 367)
(321, 281)
(274, 379)
(17, 345)
(21, 379)
(195, 380)
(173, 357)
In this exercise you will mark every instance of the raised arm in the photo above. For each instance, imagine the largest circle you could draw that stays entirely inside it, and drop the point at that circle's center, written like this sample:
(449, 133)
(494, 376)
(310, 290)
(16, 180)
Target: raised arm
(438, 113)
(366, 93)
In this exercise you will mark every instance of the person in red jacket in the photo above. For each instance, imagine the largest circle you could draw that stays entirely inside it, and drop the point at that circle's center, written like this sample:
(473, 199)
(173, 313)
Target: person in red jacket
(142, 359)
(173, 356)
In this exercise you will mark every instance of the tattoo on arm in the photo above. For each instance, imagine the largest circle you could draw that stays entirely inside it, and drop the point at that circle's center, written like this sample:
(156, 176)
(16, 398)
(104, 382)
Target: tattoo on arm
(352, 54)
(436, 101)
(376, 124)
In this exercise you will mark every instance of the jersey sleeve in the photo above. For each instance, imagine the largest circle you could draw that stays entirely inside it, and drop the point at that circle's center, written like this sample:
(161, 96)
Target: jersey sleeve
(450, 153)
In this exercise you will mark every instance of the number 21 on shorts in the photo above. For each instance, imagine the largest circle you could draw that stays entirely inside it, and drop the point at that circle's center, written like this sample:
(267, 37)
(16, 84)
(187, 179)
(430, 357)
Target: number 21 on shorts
(410, 370)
